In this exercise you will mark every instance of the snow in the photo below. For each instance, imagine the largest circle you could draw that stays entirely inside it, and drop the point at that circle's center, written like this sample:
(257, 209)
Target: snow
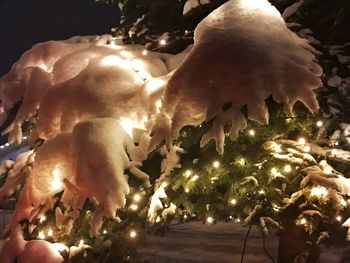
(227, 64)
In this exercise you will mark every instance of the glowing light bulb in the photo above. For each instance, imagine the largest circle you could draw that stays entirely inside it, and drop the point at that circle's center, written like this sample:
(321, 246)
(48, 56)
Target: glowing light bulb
(50, 233)
(274, 170)
(165, 184)
(261, 192)
(336, 143)
(318, 191)
(162, 42)
(104, 232)
(241, 161)
(185, 216)
(338, 218)
(132, 234)
(56, 183)
(194, 178)
(210, 220)
(216, 164)
(81, 242)
(251, 132)
(188, 173)
(137, 197)
(302, 140)
(319, 123)
(307, 148)
(42, 218)
(157, 219)
(187, 190)
(233, 201)
(41, 235)
(287, 168)
(303, 221)
(144, 52)
(134, 207)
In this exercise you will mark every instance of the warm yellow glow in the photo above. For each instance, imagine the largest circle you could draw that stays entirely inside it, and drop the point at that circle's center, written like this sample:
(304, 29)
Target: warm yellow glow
(187, 190)
(50, 233)
(59, 246)
(319, 123)
(338, 218)
(210, 220)
(104, 232)
(188, 173)
(42, 218)
(134, 207)
(194, 178)
(241, 161)
(137, 197)
(132, 234)
(164, 184)
(112, 60)
(157, 219)
(328, 170)
(302, 140)
(318, 191)
(185, 216)
(154, 85)
(303, 221)
(162, 42)
(216, 164)
(261, 192)
(56, 183)
(144, 52)
(129, 124)
(307, 148)
(81, 242)
(276, 147)
(126, 54)
(41, 235)
(251, 132)
(287, 168)
(233, 201)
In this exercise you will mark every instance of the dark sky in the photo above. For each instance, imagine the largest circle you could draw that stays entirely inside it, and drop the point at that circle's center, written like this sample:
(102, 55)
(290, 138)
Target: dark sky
(26, 22)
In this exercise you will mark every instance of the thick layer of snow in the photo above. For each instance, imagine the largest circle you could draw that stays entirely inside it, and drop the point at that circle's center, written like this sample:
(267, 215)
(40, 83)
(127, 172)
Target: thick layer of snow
(237, 58)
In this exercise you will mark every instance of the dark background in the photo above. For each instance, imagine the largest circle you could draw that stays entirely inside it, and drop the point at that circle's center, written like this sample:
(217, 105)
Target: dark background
(26, 22)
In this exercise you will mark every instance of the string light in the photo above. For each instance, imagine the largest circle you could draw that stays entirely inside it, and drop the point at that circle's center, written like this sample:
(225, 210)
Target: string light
(233, 201)
(210, 220)
(302, 140)
(132, 234)
(318, 191)
(104, 232)
(50, 233)
(134, 207)
(216, 164)
(287, 168)
(338, 218)
(188, 173)
(137, 197)
(241, 161)
(303, 221)
(307, 148)
(187, 190)
(261, 192)
(42, 218)
(194, 178)
(162, 42)
(41, 235)
(144, 52)
(56, 183)
(185, 216)
(165, 184)
(319, 123)
(251, 132)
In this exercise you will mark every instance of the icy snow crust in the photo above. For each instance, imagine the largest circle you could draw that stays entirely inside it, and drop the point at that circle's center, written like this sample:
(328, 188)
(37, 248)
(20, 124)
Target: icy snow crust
(95, 100)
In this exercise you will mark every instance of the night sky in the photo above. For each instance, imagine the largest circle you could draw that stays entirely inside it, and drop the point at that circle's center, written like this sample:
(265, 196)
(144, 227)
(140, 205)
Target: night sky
(26, 22)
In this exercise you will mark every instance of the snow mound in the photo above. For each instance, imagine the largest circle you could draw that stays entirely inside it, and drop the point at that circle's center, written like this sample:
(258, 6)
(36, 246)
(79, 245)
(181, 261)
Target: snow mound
(243, 53)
